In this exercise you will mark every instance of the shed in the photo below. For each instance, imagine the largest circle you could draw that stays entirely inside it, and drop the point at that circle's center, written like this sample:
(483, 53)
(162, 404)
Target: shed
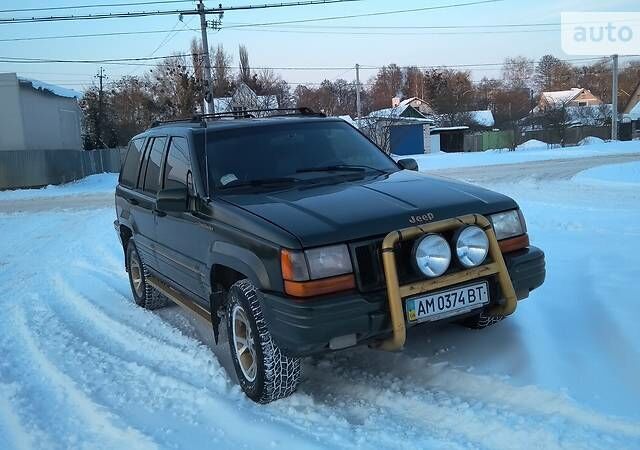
(38, 116)
(448, 139)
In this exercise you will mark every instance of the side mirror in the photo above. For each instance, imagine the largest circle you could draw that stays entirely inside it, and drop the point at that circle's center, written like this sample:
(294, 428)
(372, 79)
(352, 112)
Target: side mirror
(408, 164)
(173, 200)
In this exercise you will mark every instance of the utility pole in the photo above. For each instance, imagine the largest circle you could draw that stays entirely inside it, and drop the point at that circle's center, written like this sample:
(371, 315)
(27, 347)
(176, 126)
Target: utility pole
(207, 105)
(100, 76)
(614, 99)
(358, 101)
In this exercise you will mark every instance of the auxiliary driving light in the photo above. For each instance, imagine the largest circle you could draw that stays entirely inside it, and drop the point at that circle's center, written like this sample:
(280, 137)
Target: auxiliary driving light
(472, 246)
(432, 255)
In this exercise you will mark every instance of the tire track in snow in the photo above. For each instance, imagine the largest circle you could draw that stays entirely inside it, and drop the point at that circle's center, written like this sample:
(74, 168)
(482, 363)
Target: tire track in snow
(87, 412)
(182, 380)
(484, 410)
(14, 433)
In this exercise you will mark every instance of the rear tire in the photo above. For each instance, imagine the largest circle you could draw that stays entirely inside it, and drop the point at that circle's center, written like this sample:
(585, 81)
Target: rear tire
(482, 320)
(264, 372)
(143, 294)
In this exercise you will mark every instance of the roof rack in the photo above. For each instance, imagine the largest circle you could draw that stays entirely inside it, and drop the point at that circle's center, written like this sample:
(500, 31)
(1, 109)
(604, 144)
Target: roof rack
(244, 114)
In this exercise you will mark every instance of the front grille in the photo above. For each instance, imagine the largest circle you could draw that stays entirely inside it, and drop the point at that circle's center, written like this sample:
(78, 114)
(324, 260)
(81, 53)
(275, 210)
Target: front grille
(369, 271)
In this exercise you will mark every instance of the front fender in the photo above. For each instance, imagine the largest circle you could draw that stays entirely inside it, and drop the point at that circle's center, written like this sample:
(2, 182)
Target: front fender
(243, 261)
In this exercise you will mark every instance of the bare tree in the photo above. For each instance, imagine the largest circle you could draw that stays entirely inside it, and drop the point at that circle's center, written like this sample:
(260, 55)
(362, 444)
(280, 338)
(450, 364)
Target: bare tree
(245, 68)
(517, 73)
(222, 78)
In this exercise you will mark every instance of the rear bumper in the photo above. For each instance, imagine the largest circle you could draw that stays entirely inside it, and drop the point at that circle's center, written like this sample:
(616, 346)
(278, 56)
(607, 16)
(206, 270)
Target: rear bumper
(306, 327)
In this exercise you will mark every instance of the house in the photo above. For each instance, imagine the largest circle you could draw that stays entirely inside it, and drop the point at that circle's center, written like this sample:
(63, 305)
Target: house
(401, 129)
(422, 106)
(244, 99)
(571, 97)
(38, 116)
(631, 113)
(632, 108)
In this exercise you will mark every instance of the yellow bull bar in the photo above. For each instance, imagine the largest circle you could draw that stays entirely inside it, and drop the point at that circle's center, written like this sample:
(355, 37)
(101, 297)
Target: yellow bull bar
(397, 293)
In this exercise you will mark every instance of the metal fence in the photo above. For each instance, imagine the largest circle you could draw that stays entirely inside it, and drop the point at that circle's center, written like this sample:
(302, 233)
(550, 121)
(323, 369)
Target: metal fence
(36, 168)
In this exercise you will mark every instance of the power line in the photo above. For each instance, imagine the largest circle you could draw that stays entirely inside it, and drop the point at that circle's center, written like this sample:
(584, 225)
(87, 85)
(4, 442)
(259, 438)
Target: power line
(426, 33)
(373, 14)
(115, 33)
(103, 5)
(140, 60)
(137, 14)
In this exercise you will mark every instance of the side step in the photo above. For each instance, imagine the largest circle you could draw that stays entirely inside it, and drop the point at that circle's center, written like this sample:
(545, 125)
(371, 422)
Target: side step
(179, 298)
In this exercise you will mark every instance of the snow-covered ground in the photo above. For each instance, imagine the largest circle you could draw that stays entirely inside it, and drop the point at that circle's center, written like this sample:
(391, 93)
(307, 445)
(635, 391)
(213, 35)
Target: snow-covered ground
(82, 367)
(534, 152)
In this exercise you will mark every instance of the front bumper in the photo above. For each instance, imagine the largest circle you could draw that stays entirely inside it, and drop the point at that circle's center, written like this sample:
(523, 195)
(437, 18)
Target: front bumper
(302, 328)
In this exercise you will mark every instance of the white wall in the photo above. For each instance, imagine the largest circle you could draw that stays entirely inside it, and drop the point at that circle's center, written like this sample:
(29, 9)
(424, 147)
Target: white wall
(50, 122)
(11, 130)
(435, 143)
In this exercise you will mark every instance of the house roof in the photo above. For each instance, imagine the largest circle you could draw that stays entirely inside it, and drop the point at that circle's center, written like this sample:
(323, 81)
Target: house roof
(562, 97)
(483, 117)
(632, 107)
(401, 112)
(50, 88)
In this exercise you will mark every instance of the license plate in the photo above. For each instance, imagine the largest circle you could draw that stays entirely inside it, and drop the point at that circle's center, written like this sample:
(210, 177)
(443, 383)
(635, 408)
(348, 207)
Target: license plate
(447, 303)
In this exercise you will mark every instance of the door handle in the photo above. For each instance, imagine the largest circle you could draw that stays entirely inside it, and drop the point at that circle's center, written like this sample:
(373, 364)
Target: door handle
(133, 201)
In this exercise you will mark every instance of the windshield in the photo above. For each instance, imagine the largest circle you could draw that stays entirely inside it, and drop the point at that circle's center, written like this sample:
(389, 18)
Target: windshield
(290, 152)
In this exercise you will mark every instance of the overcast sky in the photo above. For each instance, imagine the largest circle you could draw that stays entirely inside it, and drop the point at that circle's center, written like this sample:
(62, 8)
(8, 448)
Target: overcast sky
(335, 43)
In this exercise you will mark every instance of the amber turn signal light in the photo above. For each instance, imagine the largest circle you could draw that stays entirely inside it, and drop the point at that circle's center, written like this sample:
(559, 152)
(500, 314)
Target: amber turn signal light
(304, 289)
(513, 244)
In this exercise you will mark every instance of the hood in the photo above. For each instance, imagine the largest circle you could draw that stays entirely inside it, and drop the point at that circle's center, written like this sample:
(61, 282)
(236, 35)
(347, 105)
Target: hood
(348, 211)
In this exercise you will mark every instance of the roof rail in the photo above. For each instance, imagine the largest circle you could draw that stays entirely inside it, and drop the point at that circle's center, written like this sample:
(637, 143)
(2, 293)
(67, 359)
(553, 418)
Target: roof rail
(244, 114)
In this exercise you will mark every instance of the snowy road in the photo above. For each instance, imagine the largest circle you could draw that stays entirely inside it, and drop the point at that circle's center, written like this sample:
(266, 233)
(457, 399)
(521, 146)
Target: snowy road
(557, 169)
(82, 367)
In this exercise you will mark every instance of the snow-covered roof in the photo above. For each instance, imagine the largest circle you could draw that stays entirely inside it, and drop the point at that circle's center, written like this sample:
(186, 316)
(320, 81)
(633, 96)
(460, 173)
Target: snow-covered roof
(389, 113)
(226, 104)
(561, 97)
(483, 117)
(51, 88)
(397, 114)
(439, 129)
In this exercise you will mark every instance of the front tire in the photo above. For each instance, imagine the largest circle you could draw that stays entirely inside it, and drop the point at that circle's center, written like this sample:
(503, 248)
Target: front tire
(264, 372)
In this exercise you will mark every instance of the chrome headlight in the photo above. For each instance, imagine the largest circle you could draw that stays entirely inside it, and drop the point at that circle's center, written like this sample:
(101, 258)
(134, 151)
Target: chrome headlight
(472, 246)
(432, 255)
(328, 261)
(508, 224)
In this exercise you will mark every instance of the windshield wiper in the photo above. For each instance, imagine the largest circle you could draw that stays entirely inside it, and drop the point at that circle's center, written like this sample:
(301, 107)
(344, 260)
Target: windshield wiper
(341, 168)
(260, 182)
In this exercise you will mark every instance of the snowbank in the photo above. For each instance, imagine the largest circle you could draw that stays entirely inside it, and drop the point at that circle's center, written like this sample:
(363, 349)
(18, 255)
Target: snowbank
(627, 174)
(102, 183)
(532, 143)
(489, 158)
(591, 140)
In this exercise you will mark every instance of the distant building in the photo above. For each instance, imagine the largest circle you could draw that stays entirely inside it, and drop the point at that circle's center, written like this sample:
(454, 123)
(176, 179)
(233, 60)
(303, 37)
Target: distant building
(401, 129)
(244, 99)
(632, 108)
(571, 97)
(38, 116)
(422, 106)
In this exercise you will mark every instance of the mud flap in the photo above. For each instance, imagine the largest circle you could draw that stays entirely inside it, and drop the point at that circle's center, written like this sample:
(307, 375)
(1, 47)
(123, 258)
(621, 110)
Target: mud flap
(216, 301)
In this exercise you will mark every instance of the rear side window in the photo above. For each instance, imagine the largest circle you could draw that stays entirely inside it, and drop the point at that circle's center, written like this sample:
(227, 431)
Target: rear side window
(152, 177)
(129, 172)
(178, 164)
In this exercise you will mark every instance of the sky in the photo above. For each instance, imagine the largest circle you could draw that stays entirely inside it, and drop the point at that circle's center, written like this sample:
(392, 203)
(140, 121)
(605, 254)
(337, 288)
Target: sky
(336, 44)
